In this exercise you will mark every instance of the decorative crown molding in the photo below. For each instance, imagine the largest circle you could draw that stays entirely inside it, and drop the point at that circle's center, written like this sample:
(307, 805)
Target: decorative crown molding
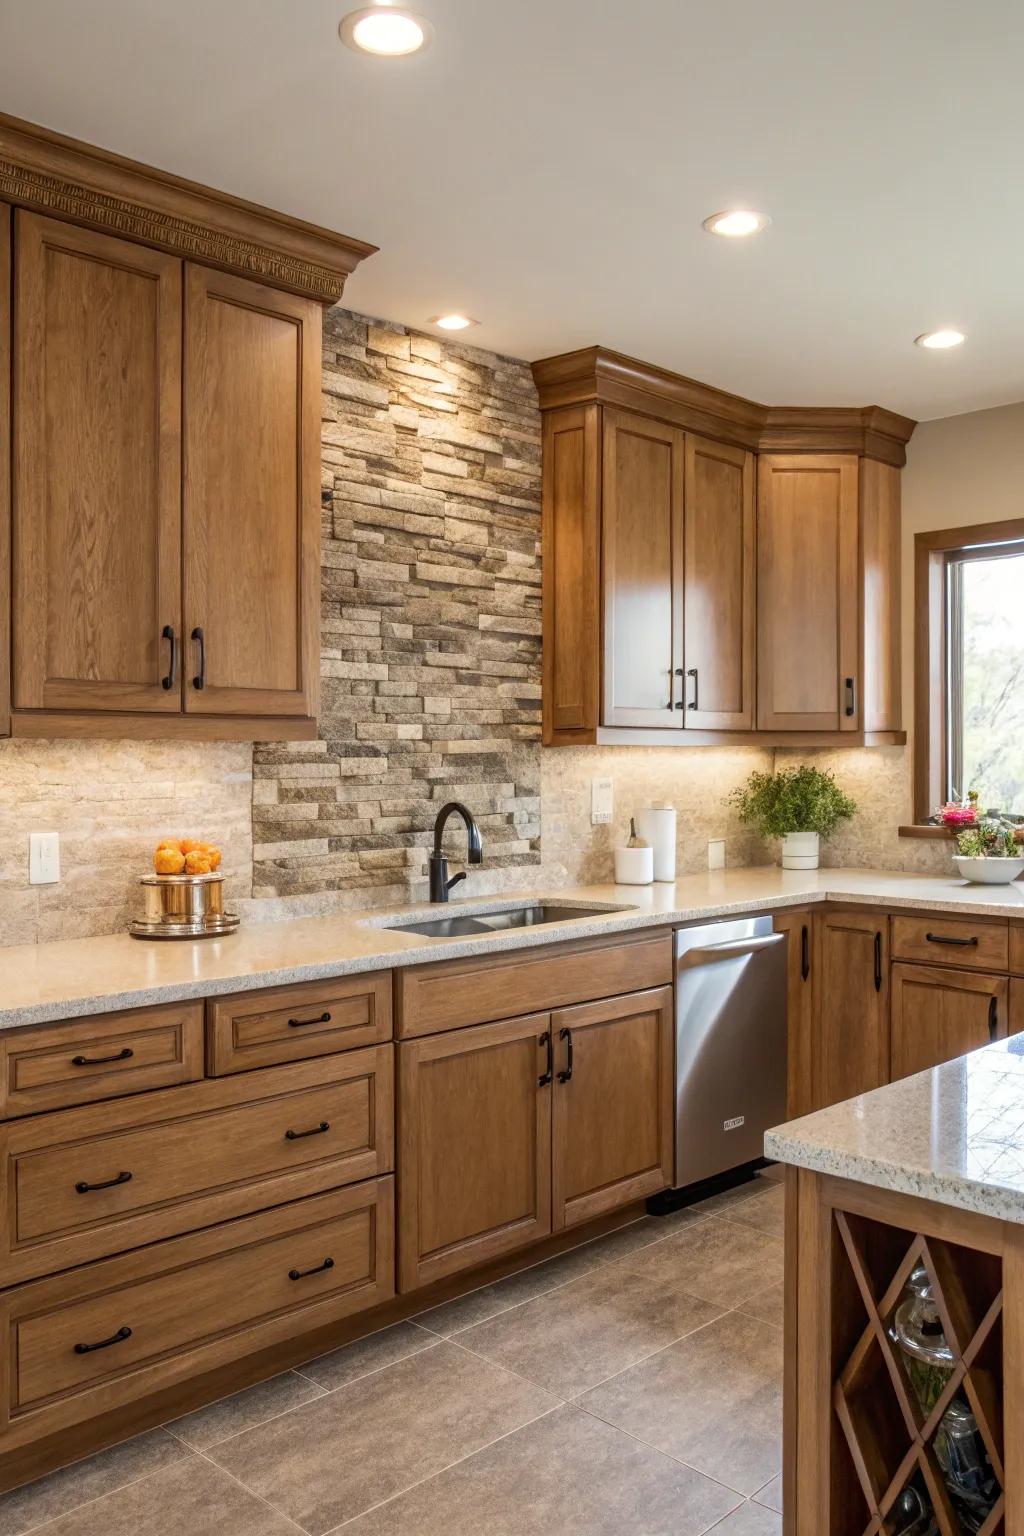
(60, 176)
(595, 374)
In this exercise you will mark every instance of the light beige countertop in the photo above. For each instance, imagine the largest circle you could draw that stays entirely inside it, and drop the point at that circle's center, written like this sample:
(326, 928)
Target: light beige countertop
(97, 975)
(953, 1134)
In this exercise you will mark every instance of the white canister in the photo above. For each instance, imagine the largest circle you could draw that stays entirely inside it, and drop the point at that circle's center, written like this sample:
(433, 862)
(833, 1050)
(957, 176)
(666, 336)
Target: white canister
(800, 850)
(634, 866)
(656, 824)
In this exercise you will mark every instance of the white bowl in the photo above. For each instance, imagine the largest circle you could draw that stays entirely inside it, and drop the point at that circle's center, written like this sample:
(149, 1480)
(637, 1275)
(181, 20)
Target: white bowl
(989, 871)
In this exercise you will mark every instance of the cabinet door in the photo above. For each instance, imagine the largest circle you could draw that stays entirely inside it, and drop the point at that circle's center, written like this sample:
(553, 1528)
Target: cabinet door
(5, 467)
(1016, 1024)
(612, 1112)
(800, 1010)
(851, 1037)
(642, 534)
(97, 470)
(938, 1014)
(252, 497)
(718, 588)
(807, 592)
(474, 1158)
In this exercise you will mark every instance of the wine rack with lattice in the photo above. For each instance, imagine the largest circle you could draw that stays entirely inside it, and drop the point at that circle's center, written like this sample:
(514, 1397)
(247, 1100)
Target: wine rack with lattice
(881, 1431)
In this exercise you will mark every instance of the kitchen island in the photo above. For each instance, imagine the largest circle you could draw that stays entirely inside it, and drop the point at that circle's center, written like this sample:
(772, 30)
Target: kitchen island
(904, 1391)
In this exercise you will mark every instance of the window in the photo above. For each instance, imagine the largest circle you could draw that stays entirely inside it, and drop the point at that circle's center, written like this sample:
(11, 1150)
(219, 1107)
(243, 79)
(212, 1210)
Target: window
(969, 668)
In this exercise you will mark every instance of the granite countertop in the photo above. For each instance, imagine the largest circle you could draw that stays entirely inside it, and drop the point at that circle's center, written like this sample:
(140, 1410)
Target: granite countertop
(953, 1134)
(42, 982)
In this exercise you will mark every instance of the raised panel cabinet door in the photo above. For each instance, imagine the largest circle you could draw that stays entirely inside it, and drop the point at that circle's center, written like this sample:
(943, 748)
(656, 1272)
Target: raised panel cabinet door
(612, 1104)
(808, 599)
(937, 1014)
(718, 587)
(97, 471)
(252, 497)
(642, 538)
(5, 468)
(851, 995)
(570, 571)
(474, 1150)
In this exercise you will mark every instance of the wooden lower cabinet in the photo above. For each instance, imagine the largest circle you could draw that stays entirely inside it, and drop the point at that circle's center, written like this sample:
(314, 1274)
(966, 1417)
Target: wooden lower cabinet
(76, 1345)
(938, 1013)
(799, 929)
(851, 1036)
(1016, 1022)
(474, 1147)
(613, 1104)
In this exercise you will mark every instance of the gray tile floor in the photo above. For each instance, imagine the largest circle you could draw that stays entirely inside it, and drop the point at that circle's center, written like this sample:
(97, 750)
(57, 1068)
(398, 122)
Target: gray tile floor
(628, 1387)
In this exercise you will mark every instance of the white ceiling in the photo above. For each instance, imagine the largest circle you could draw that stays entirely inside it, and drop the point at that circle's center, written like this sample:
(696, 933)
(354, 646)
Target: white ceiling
(545, 166)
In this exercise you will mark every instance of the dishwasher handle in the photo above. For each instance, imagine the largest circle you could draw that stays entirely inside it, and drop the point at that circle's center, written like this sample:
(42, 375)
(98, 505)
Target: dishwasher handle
(733, 949)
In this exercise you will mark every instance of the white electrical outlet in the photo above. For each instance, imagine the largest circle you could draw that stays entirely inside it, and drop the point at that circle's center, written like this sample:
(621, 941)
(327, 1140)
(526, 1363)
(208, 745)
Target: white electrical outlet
(716, 853)
(600, 802)
(43, 858)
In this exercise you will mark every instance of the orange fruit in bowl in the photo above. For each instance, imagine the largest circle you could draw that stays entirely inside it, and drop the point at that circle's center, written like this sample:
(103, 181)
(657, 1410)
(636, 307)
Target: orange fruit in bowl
(170, 842)
(196, 862)
(212, 852)
(168, 861)
(189, 845)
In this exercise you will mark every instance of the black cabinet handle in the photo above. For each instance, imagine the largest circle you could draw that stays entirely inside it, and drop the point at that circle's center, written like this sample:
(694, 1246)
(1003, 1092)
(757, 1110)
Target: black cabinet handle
(546, 1076)
(324, 1018)
(851, 697)
(805, 953)
(115, 1338)
(172, 677)
(993, 1018)
(878, 962)
(566, 1035)
(102, 1061)
(199, 681)
(693, 702)
(83, 1188)
(939, 938)
(318, 1130)
(303, 1274)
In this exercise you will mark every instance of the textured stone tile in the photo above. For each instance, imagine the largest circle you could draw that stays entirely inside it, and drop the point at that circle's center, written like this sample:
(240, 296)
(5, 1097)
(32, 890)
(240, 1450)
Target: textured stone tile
(771, 1495)
(565, 1475)
(765, 1212)
(749, 1520)
(367, 1355)
(769, 1305)
(23, 1509)
(333, 1459)
(719, 1260)
(242, 1410)
(714, 1400)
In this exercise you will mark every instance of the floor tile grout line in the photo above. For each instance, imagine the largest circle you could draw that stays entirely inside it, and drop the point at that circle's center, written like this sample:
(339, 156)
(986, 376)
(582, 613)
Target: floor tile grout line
(131, 1482)
(433, 1339)
(200, 1450)
(643, 1359)
(561, 1401)
(669, 1455)
(253, 1494)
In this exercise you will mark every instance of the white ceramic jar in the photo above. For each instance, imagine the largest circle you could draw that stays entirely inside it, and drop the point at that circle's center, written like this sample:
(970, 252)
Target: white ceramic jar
(801, 850)
(656, 824)
(634, 866)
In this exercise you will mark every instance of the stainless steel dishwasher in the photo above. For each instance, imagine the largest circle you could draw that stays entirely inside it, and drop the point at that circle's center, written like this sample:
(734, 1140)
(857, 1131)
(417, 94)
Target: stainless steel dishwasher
(730, 1044)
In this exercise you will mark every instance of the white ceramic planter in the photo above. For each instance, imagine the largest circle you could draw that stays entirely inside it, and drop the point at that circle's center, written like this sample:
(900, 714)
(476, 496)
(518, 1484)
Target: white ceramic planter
(634, 866)
(800, 850)
(989, 871)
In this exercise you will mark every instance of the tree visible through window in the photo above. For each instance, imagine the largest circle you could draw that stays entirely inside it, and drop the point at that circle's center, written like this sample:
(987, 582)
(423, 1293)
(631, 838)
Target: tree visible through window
(985, 675)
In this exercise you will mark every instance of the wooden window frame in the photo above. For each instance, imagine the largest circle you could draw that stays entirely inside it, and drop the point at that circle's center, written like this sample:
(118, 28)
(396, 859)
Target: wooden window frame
(933, 552)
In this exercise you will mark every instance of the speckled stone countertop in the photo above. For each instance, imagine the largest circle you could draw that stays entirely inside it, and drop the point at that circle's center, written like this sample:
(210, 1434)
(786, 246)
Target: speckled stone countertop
(954, 1134)
(81, 976)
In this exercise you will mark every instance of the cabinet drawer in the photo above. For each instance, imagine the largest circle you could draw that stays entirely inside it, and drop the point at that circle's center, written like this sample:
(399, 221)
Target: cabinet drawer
(91, 1182)
(980, 946)
(80, 1344)
(455, 993)
(266, 1028)
(54, 1066)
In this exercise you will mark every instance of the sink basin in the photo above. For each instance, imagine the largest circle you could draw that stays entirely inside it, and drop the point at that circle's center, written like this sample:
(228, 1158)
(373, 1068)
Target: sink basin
(462, 925)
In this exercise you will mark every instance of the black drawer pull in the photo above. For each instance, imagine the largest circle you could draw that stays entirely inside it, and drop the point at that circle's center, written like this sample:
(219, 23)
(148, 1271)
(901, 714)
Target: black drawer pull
(115, 1338)
(317, 1130)
(324, 1018)
(939, 938)
(805, 953)
(547, 1074)
(878, 962)
(993, 1018)
(102, 1061)
(566, 1076)
(303, 1274)
(83, 1188)
(167, 633)
(199, 681)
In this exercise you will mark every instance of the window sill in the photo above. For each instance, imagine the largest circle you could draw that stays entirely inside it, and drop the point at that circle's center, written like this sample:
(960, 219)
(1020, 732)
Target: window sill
(932, 832)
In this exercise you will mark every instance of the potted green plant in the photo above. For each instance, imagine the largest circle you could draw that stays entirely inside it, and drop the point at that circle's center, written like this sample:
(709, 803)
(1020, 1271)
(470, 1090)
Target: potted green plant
(798, 805)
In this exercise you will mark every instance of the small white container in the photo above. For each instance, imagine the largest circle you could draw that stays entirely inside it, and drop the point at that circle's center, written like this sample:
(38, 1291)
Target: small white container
(634, 866)
(801, 850)
(656, 824)
(989, 871)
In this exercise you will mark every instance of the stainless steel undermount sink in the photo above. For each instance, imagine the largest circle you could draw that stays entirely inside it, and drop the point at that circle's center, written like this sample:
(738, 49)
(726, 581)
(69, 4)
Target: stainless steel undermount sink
(464, 925)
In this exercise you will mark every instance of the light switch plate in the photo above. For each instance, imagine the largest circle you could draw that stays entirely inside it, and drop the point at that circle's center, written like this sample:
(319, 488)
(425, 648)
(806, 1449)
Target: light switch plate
(716, 853)
(43, 858)
(600, 802)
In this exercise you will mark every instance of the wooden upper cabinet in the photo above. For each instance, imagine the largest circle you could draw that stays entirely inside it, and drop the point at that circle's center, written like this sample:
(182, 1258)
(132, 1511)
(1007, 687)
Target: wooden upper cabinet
(642, 541)
(850, 1048)
(718, 587)
(5, 467)
(252, 497)
(940, 1013)
(97, 466)
(807, 592)
(570, 571)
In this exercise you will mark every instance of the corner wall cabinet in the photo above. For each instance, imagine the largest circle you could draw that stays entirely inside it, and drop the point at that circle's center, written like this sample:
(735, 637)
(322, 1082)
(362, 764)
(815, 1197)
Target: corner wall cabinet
(675, 610)
(164, 437)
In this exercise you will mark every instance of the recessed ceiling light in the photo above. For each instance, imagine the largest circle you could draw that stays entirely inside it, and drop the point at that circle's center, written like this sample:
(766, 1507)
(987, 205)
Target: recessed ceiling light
(940, 341)
(452, 322)
(736, 222)
(387, 30)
